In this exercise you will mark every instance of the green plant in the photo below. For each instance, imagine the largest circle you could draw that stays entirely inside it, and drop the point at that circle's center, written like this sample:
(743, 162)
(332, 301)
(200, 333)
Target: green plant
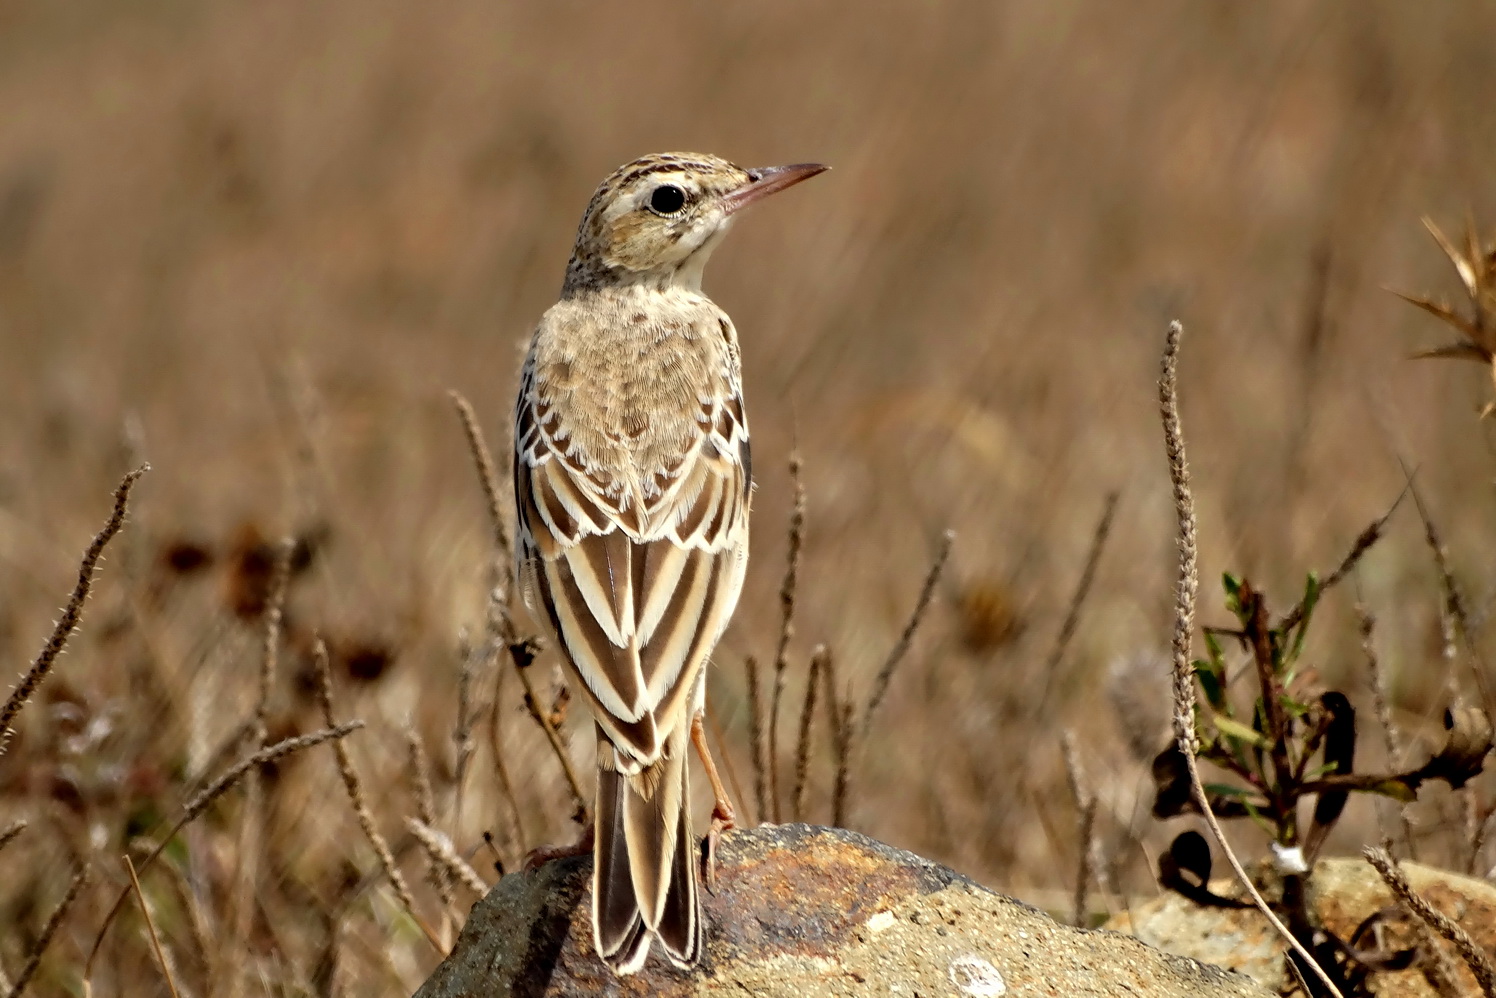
(1295, 742)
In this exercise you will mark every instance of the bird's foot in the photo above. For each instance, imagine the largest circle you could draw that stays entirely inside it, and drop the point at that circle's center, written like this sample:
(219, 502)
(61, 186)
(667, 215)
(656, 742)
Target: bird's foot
(538, 857)
(723, 820)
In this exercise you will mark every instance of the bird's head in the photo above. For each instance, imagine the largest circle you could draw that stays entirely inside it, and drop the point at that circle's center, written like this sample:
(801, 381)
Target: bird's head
(657, 219)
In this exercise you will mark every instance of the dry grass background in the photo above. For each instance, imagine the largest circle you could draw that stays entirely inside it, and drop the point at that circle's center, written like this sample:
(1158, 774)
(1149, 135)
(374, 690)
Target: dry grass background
(255, 243)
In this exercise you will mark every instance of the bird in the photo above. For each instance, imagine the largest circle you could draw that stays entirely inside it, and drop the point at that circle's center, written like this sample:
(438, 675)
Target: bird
(633, 481)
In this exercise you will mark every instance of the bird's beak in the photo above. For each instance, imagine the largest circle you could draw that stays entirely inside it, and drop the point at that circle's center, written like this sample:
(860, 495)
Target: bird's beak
(767, 180)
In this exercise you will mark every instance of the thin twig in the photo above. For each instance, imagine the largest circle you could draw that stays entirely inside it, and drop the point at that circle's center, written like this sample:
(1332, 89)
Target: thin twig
(901, 647)
(786, 628)
(1085, 806)
(71, 614)
(150, 924)
(522, 654)
(462, 735)
(1391, 736)
(420, 775)
(840, 710)
(275, 606)
(354, 786)
(197, 921)
(1184, 622)
(252, 819)
(1454, 603)
(54, 922)
(488, 477)
(802, 743)
(1078, 598)
(199, 803)
(440, 851)
(1363, 543)
(1480, 964)
(756, 739)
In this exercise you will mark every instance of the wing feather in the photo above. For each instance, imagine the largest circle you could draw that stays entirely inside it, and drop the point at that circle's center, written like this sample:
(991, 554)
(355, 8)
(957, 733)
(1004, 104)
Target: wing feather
(638, 566)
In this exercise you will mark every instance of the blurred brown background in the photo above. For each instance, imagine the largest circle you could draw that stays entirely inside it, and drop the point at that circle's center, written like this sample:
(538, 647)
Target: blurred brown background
(254, 243)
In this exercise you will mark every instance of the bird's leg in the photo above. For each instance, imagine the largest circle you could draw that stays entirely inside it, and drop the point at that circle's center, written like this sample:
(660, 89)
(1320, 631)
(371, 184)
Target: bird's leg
(541, 855)
(723, 815)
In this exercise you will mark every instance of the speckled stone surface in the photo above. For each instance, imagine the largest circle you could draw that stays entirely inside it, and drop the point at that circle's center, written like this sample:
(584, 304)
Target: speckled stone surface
(806, 911)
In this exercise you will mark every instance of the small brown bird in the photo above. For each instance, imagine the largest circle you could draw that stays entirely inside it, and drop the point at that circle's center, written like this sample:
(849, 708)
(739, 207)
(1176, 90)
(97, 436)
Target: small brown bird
(632, 483)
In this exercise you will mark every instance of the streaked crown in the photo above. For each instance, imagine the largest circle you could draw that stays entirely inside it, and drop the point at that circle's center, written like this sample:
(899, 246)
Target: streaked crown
(657, 219)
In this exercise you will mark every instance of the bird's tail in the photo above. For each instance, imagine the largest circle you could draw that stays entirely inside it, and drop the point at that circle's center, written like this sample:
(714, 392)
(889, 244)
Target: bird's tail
(644, 870)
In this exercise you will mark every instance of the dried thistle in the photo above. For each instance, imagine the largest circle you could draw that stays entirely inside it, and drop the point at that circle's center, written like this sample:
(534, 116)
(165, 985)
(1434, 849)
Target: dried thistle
(1476, 269)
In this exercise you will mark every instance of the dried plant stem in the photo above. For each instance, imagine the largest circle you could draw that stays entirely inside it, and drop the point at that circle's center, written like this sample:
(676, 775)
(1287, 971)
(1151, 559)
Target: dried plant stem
(354, 787)
(1184, 622)
(1391, 736)
(756, 738)
(786, 628)
(1363, 543)
(1454, 603)
(71, 613)
(488, 477)
(420, 775)
(802, 743)
(1480, 963)
(501, 767)
(522, 653)
(840, 711)
(441, 853)
(150, 924)
(197, 921)
(54, 922)
(251, 829)
(1085, 806)
(1078, 598)
(199, 803)
(462, 735)
(906, 639)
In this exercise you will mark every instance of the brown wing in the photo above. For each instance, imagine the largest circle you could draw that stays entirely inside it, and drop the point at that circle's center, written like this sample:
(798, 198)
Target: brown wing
(637, 570)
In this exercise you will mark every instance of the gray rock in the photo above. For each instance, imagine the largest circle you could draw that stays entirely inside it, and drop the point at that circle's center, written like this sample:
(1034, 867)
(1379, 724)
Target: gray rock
(806, 911)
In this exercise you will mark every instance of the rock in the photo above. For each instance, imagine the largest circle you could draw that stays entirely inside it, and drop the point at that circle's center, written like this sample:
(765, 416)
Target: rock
(805, 911)
(1346, 892)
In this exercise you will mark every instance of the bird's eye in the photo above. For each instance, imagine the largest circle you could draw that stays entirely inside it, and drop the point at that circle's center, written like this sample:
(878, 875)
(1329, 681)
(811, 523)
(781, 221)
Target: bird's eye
(667, 199)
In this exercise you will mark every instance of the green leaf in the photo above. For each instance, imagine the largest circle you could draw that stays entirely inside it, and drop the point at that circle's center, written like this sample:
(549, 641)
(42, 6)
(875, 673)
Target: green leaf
(1230, 792)
(1394, 788)
(1232, 584)
(1312, 593)
(1211, 682)
(1235, 729)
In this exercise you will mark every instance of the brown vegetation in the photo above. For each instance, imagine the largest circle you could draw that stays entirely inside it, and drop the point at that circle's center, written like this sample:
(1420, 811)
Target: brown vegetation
(255, 244)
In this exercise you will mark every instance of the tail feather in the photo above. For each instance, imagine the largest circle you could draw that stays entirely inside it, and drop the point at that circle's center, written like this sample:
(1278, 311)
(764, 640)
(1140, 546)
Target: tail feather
(644, 872)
